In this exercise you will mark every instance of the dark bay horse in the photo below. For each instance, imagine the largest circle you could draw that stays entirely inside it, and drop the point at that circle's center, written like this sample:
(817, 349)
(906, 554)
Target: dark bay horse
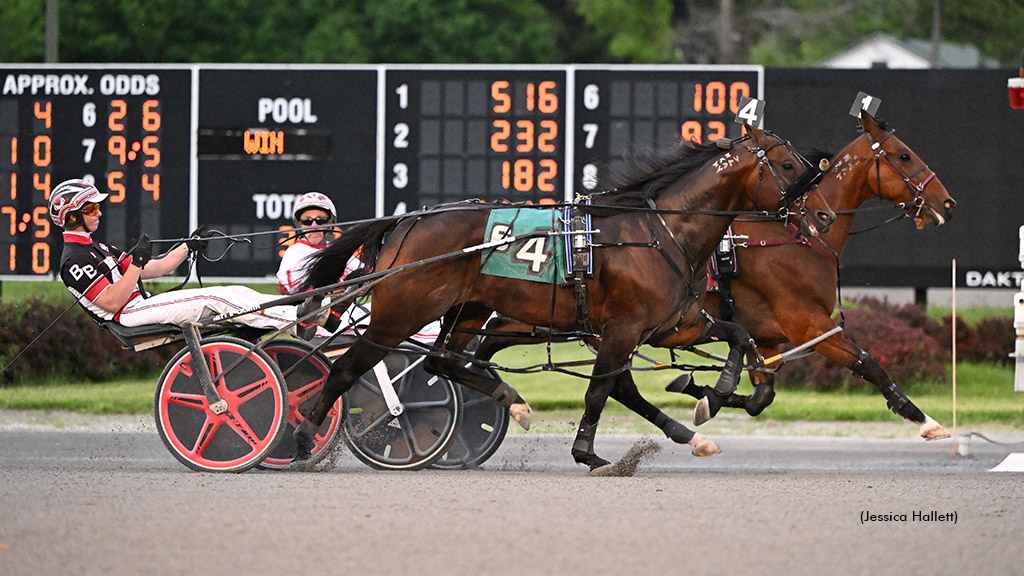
(655, 235)
(785, 292)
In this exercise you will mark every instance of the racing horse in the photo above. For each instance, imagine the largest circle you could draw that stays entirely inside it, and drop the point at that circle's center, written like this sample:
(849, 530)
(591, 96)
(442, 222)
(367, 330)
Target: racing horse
(655, 234)
(785, 292)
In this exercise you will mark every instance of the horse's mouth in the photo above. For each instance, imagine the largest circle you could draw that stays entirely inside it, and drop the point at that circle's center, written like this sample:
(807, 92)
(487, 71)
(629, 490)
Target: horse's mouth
(935, 219)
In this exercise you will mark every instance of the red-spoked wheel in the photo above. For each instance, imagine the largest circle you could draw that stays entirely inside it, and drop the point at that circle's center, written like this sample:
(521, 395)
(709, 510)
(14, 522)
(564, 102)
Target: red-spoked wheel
(242, 436)
(304, 374)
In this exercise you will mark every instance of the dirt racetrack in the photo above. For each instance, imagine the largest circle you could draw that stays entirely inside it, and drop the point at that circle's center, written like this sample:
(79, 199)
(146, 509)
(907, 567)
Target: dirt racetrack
(113, 501)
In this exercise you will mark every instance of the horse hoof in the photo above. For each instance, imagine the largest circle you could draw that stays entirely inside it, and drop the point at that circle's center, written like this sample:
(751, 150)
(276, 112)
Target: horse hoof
(932, 430)
(704, 446)
(702, 412)
(606, 470)
(521, 413)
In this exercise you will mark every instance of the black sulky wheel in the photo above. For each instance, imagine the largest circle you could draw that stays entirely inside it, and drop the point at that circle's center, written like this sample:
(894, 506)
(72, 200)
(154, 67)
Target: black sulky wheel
(304, 374)
(243, 435)
(420, 434)
(479, 434)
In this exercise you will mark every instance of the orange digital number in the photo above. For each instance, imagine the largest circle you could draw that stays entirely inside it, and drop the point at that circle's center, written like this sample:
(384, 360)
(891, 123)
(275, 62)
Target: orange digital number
(42, 184)
(14, 217)
(548, 100)
(737, 90)
(40, 257)
(503, 102)
(716, 130)
(41, 218)
(118, 112)
(41, 150)
(12, 262)
(692, 131)
(498, 138)
(14, 187)
(149, 148)
(550, 133)
(518, 175)
(14, 150)
(115, 186)
(716, 98)
(524, 136)
(150, 117)
(549, 173)
(152, 185)
(118, 146)
(43, 114)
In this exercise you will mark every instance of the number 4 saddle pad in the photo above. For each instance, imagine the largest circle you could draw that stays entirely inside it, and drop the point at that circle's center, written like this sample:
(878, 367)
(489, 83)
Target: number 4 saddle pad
(539, 256)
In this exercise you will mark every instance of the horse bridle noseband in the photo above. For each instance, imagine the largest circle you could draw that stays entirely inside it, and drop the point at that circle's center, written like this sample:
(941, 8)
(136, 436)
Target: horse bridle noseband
(917, 190)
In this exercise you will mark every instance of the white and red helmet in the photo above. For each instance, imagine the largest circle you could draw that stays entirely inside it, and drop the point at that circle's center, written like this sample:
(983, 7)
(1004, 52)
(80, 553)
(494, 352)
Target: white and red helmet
(71, 196)
(311, 200)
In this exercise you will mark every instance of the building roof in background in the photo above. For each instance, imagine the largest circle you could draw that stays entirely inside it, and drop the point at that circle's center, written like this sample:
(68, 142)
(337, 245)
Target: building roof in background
(881, 49)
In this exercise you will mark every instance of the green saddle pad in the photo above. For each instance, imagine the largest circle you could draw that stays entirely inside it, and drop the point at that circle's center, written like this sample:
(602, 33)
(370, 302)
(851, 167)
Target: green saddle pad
(539, 259)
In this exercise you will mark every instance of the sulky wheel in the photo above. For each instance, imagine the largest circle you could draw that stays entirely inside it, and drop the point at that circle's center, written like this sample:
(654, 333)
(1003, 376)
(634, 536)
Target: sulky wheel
(243, 435)
(304, 373)
(420, 434)
(479, 434)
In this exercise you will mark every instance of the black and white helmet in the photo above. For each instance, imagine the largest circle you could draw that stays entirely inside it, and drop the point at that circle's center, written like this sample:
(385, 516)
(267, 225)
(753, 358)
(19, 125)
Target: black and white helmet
(311, 200)
(69, 197)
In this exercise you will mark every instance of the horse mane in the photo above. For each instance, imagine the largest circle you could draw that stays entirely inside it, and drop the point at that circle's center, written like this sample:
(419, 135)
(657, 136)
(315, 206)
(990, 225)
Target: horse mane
(323, 268)
(640, 175)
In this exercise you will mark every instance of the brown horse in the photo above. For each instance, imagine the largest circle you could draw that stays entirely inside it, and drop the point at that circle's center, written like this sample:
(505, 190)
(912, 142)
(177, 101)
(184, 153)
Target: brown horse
(786, 291)
(652, 238)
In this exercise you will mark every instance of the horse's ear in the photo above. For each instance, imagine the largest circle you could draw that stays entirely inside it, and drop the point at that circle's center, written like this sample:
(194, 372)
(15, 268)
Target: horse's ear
(758, 135)
(868, 123)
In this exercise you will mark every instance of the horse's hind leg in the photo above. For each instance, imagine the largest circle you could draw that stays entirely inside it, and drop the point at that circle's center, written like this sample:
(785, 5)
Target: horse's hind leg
(626, 393)
(754, 404)
(356, 361)
(739, 343)
(472, 317)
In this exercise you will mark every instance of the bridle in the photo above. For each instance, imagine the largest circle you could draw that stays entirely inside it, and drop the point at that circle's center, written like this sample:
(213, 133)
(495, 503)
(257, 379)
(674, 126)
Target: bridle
(916, 189)
(796, 192)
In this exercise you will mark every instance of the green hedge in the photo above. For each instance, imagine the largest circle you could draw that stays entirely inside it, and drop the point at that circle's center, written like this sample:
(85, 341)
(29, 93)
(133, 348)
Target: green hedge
(75, 348)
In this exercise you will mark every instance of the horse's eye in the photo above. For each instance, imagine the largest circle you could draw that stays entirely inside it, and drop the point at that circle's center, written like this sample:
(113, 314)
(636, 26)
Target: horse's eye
(905, 157)
(787, 166)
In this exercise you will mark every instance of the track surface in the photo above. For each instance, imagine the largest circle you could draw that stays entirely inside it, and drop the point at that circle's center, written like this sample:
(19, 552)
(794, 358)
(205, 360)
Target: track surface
(115, 502)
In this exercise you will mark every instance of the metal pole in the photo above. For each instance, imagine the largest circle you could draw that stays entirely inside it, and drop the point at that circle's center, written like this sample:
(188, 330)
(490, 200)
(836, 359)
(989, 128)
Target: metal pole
(52, 31)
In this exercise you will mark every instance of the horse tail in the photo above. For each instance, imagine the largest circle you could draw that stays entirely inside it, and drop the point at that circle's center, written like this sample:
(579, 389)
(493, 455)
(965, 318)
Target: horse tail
(327, 266)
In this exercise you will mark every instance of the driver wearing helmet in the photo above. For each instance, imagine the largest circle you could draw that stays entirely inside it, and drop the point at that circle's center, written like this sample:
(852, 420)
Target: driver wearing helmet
(107, 282)
(313, 214)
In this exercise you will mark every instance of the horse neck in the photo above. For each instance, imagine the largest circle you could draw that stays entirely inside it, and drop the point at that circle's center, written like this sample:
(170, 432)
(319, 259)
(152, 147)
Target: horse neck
(845, 188)
(726, 191)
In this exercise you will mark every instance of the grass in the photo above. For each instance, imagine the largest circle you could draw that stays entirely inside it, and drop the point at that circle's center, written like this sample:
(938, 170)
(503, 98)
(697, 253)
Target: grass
(985, 392)
(985, 396)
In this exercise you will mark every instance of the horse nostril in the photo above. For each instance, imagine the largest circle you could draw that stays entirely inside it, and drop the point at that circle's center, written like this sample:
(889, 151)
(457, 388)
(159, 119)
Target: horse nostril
(826, 217)
(949, 203)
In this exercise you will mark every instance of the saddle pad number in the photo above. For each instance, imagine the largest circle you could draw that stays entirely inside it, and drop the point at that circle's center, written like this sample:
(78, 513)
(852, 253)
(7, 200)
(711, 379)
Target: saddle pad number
(532, 252)
(530, 258)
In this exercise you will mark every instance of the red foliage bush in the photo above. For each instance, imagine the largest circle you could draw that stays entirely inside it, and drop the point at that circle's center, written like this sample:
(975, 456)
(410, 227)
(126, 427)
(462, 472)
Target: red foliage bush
(898, 338)
(74, 347)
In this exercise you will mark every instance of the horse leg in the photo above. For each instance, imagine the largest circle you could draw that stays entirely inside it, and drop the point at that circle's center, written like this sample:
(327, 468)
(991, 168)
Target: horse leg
(612, 358)
(843, 351)
(754, 404)
(356, 361)
(626, 393)
(739, 343)
(488, 382)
